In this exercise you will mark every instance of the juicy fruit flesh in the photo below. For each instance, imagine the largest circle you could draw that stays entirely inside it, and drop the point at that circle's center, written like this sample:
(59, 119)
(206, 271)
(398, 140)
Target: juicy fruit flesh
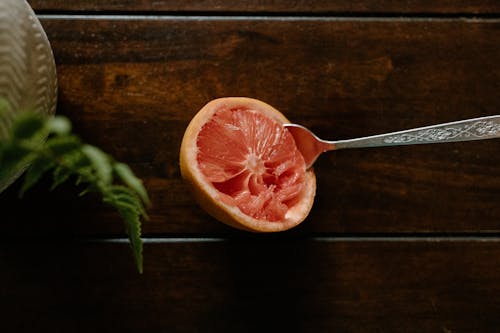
(252, 161)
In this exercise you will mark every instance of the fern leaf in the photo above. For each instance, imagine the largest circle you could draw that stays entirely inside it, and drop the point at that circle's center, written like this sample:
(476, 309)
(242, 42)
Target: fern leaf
(133, 228)
(59, 125)
(101, 163)
(60, 175)
(130, 208)
(60, 145)
(125, 197)
(127, 176)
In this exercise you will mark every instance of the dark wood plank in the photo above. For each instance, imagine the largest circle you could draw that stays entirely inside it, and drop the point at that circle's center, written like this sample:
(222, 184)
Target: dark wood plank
(131, 87)
(275, 6)
(245, 286)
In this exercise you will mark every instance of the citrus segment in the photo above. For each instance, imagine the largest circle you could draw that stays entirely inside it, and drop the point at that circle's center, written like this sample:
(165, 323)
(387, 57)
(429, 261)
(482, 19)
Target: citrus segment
(244, 167)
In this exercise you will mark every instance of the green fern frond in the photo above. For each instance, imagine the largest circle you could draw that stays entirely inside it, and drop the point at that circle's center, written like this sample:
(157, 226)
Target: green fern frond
(68, 158)
(127, 177)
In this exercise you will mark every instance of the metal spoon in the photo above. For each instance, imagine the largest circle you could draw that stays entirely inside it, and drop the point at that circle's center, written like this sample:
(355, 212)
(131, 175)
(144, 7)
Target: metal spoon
(465, 130)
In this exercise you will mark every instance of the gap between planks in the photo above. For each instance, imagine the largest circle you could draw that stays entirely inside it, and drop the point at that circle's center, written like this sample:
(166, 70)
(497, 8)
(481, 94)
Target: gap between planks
(319, 239)
(156, 17)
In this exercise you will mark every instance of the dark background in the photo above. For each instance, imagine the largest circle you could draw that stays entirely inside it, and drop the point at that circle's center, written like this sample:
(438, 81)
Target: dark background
(400, 239)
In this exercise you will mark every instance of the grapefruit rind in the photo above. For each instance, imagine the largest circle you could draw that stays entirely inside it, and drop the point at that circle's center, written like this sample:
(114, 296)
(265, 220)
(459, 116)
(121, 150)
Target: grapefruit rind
(208, 197)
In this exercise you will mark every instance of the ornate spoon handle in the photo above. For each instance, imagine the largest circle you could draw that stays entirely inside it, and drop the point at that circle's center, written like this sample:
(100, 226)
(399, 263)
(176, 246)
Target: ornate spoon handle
(464, 130)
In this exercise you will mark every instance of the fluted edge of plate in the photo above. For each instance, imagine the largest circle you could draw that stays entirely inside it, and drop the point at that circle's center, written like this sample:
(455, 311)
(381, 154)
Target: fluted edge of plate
(28, 78)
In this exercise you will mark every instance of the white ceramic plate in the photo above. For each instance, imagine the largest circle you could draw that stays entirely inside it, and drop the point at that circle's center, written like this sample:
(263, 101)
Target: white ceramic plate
(28, 78)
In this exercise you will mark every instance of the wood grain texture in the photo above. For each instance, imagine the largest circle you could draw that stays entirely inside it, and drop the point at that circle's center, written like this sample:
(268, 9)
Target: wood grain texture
(275, 6)
(131, 84)
(245, 286)
(131, 87)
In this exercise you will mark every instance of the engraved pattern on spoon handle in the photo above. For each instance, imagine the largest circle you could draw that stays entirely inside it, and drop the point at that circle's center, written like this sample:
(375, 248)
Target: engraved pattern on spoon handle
(464, 130)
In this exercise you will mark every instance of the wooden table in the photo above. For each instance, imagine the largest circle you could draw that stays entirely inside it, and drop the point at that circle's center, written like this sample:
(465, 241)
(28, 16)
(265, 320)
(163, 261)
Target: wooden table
(403, 239)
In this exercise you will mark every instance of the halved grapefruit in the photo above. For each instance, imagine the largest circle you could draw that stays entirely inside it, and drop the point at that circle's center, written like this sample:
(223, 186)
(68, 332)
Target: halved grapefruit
(244, 167)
